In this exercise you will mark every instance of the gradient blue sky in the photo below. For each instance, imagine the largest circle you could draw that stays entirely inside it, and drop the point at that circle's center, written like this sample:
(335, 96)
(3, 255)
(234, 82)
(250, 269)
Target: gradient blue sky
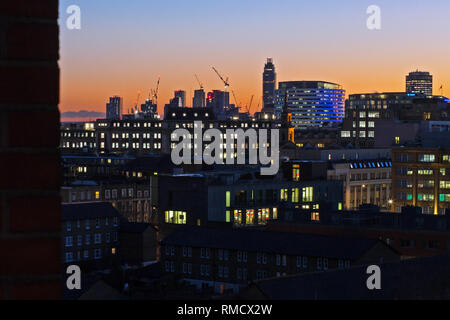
(124, 45)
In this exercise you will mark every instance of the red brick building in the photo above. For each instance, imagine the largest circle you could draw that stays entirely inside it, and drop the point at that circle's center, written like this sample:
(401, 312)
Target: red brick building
(30, 212)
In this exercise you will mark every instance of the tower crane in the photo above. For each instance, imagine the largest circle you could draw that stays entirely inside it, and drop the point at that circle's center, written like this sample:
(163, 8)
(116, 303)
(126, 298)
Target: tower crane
(249, 106)
(225, 82)
(199, 82)
(155, 93)
(137, 101)
(235, 99)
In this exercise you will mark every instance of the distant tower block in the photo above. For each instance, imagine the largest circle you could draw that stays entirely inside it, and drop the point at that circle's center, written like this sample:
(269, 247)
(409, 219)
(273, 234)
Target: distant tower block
(269, 82)
(419, 82)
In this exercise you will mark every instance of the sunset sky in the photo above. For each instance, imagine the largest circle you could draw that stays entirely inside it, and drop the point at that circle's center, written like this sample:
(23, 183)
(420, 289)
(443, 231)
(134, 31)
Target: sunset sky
(123, 46)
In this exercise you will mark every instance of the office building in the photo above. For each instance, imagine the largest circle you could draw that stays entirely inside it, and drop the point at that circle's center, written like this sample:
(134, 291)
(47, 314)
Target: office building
(387, 119)
(311, 103)
(269, 83)
(180, 98)
(421, 178)
(114, 108)
(419, 82)
(219, 101)
(199, 99)
(365, 182)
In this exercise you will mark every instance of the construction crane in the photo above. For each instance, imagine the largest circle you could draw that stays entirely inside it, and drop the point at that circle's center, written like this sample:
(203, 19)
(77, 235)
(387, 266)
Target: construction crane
(155, 93)
(259, 103)
(199, 82)
(225, 82)
(136, 103)
(235, 99)
(249, 106)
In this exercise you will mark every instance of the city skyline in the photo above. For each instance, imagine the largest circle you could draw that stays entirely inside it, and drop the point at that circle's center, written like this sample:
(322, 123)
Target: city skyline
(115, 52)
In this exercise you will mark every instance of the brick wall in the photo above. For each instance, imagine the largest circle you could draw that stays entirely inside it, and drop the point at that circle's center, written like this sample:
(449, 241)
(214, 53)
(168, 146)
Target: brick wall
(29, 158)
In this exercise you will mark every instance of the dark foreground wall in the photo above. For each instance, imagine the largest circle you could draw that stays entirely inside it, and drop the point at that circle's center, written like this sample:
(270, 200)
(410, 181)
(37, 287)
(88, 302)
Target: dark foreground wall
(29, 159)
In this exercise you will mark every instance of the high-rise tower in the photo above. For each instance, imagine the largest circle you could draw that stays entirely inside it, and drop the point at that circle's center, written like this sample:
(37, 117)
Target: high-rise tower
(419, 83)
(114, 108)
(269, 82)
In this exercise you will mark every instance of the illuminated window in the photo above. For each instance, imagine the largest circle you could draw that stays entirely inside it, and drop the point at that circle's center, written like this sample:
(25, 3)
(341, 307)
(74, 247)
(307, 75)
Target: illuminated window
(263, 216)
(238, 216)
(425, 197)
(397, 140)
(445, 184)
(284, 195)
(307, 194)
(315, 216)
(228, 199)
(427, 158)
(228, 216)
(425, 172)
(296, 172)
(295, 195)
(97, 195)
(275, 213)
(249, 216)
(175, 217)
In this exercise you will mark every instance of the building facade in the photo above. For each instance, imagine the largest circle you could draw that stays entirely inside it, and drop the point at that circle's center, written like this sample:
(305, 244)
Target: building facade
(365, 182)
(114, 109)
(228, 260)
(419, 82)
(90, 234)
(388, 119)
(269, 83)
(312, 103)
(199, 100)
(421, 178)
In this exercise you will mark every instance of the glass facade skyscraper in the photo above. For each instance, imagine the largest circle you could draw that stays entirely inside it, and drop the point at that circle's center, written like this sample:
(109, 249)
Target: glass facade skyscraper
(312, 103)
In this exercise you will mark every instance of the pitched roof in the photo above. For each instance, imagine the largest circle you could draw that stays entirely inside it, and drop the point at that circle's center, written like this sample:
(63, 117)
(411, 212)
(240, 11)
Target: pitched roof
(90, 210)
(271, 242)
(425, 278)
(132, 227)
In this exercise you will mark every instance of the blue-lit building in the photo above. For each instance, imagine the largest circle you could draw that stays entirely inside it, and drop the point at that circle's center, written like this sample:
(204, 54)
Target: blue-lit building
(312, 103)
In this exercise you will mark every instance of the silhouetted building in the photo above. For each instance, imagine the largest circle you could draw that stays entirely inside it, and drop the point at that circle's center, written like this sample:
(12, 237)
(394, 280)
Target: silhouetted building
(180, 98)
(219, 101)
(269, 83)
(419, 82)
(413, 279)
(226, 259)
(114, 108)
(90, 234)
(199, 99)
